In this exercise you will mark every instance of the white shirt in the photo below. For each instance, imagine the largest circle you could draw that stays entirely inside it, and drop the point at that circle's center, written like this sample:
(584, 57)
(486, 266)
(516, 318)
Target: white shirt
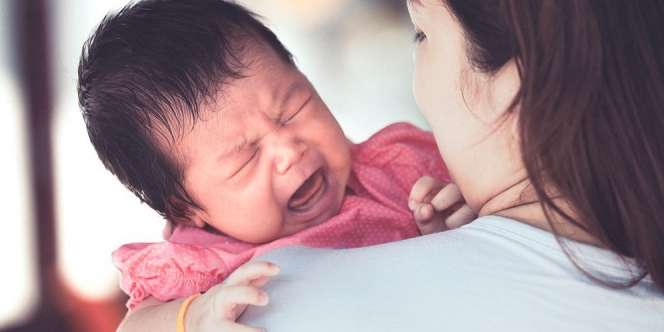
(494, 274)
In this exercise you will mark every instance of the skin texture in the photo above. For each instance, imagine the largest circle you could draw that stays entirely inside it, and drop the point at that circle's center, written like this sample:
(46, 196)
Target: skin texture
(255, 146)
(467, 111)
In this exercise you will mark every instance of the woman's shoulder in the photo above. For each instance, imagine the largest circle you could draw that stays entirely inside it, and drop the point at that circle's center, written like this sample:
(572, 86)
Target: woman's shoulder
(491, 275)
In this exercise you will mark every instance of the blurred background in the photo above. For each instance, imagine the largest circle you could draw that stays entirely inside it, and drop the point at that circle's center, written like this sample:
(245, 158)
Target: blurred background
(64, 213)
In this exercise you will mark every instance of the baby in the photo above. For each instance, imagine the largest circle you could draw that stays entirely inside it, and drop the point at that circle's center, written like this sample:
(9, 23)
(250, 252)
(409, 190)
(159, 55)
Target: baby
(201, 112)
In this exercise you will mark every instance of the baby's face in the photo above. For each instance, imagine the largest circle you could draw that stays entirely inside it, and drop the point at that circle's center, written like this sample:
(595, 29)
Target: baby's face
(267, 158)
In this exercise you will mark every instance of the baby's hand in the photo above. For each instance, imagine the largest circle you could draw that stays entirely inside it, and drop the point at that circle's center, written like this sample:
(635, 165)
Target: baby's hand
(438, 206)
(218, 309)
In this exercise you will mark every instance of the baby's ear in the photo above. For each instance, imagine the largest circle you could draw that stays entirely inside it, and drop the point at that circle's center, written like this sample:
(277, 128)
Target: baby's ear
(168, 230)
(197, 217)
(183, 213)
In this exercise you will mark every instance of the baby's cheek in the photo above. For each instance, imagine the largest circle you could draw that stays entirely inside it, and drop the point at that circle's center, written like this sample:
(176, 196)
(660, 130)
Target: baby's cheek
(246, 214)
(262, 224)
(341, 162)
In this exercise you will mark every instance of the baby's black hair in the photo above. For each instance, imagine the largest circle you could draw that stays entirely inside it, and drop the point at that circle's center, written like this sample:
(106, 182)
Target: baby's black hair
(146, 70)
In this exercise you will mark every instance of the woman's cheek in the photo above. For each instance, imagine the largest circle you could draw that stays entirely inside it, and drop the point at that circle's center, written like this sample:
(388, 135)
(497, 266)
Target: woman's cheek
(423, 83)
(417, 79)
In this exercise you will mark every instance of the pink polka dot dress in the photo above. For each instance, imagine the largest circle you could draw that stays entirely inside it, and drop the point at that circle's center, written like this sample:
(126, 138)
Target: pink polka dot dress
(384, 168)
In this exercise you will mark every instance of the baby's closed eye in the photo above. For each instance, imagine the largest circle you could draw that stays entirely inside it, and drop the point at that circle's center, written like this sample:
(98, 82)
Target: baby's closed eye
(243, 159)
(288, 117)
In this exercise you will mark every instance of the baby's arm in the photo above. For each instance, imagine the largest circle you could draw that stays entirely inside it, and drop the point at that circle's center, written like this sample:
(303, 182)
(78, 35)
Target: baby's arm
(438, 206)
(216, 310)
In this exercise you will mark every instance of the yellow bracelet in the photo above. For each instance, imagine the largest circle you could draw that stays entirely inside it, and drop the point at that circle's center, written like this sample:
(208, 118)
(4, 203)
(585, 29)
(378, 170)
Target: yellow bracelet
(183, 311)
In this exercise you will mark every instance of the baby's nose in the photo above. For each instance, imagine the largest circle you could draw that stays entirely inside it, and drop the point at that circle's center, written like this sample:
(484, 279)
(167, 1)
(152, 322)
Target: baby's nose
(288, 150)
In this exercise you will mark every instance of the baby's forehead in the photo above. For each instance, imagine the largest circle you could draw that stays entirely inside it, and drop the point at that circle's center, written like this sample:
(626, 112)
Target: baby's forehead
(229, 115)
(266, 83)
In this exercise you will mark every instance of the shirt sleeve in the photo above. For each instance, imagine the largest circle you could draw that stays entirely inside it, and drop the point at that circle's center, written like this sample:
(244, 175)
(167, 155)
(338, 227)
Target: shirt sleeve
(167, 270)
(390, 162)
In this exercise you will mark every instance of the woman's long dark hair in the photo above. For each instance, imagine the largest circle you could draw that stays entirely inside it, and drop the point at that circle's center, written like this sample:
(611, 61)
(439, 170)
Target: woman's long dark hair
(591, 108)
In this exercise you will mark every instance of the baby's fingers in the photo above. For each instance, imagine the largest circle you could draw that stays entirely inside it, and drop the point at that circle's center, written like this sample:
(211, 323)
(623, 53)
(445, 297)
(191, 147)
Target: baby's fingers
(460, 217)
(422, 188)
(232, 301)
(447, 197)
(423, 213)
(260, 282)
(248, 272)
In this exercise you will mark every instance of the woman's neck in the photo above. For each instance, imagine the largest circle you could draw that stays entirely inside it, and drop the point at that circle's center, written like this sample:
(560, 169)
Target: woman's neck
(519, 202)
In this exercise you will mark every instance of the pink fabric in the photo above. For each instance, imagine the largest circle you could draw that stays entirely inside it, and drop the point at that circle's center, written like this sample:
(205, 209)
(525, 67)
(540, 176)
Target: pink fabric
(375, 211)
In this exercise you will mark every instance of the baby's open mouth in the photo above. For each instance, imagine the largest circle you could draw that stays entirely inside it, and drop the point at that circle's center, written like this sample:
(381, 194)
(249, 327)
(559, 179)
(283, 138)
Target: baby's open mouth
(309, 192)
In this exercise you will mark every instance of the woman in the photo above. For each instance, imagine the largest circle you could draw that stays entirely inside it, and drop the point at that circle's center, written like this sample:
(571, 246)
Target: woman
(549, 115)
(559, 106)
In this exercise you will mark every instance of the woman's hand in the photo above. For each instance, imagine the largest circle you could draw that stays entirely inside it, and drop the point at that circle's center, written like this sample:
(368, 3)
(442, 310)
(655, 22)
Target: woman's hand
(218, 309)
(438, 206)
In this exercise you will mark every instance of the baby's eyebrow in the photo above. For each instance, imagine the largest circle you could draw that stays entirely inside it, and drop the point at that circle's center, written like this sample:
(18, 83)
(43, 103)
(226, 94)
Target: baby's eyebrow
(289, 92)
(234, 148)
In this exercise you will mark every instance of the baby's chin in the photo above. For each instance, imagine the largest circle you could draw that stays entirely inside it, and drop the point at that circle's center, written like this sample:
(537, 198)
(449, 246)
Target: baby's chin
(289, 229)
